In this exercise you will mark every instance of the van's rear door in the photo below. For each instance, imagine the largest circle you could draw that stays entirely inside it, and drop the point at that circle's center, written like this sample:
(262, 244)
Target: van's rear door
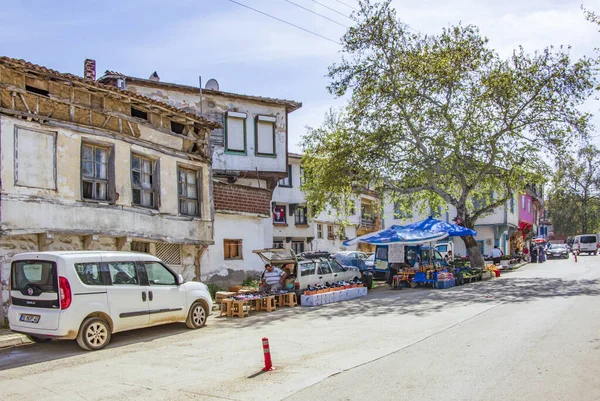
(34, 294)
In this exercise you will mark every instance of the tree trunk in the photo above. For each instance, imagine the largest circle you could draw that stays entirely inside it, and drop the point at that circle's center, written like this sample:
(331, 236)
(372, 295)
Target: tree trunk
(474, 252)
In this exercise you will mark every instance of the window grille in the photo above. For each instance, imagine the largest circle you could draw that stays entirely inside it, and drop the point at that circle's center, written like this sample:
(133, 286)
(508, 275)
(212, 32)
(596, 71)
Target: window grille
(169, 253)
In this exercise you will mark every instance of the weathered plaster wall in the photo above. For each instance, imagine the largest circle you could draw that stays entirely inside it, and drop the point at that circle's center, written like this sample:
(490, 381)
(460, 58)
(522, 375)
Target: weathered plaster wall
(251, 230)
(37, 210)
(214, 108)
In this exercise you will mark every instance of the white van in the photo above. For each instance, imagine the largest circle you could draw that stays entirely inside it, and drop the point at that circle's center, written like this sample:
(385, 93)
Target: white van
(586, 243)
(89, 295)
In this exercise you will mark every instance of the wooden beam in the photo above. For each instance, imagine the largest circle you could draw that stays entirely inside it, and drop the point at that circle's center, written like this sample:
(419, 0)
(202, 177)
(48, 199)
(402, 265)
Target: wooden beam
(121, 241)
(87, 240)
(44, 239)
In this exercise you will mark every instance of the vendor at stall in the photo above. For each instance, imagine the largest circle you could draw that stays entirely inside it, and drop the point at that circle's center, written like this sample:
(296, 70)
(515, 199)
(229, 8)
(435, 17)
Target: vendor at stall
(272, 278)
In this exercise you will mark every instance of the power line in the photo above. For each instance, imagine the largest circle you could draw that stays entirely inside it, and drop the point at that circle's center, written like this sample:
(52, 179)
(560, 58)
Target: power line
(286, 22)
(316, 13)
(346, 4)
(332, 9)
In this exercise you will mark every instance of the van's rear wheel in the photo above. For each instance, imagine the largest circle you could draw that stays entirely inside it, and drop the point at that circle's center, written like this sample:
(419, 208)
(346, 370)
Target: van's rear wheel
(94, 334)
(39, 340)
(196, 316)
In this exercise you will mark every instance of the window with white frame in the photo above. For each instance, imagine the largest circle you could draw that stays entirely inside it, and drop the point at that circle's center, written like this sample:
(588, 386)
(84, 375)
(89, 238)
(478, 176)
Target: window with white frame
(279, 214)
(330, 231)
(287, 182)
(298, 247)
(523, 202)
(188, 192)
(529, 205)
(95, 172)
(235, 132)
(144, 181)
(265, 135)
(319, 230)
(301, 215)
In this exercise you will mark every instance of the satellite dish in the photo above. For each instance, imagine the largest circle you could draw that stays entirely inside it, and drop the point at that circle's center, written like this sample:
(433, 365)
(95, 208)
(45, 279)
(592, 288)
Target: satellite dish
(212, 84)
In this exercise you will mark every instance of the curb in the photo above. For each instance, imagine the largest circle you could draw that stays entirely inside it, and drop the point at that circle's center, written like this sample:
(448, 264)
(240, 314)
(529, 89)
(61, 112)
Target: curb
(13, 340)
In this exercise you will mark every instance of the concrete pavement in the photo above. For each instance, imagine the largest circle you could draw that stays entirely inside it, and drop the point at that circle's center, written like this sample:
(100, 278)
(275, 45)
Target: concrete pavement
(468, 342)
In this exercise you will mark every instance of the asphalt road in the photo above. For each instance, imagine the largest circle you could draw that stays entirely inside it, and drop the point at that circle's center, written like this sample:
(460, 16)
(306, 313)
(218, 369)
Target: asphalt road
(533, 334)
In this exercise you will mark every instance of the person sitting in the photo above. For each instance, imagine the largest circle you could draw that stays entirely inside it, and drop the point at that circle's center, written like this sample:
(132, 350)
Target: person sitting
(496, 255)
(272, 278)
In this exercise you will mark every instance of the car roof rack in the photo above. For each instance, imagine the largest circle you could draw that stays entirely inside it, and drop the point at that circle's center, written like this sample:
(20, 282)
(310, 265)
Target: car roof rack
(313, 255)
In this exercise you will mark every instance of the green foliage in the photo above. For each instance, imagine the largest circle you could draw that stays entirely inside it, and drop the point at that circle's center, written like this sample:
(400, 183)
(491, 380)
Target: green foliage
(214, 288)
(251, 281)
(574, 201)
(438, 120)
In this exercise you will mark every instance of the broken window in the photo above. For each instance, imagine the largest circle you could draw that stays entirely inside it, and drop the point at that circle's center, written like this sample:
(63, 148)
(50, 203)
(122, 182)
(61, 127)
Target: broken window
(235, 132)
(39, 91)
(144, 174)
(188, 192)
(265, 135)
(139, 113)
(137, 246)
(232, 248)
(94, 172)
(177, 127)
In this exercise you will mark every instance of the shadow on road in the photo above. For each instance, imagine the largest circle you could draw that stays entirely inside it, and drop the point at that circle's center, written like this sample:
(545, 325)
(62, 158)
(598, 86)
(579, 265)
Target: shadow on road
(426, 301)
(422, 302)
(37, 353)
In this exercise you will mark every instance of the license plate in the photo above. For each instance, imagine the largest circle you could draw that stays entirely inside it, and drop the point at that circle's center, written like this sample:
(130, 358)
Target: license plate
(556, 254)
(30, 318)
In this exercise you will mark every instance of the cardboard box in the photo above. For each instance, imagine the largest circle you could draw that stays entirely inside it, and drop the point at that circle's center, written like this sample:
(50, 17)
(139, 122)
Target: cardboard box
(326, 298)
(335, 296)
(317, 299)
(306, 300)
(362, 291)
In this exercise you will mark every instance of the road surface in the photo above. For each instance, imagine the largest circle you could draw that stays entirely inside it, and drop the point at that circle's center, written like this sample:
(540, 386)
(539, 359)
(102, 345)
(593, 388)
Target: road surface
(533, 334)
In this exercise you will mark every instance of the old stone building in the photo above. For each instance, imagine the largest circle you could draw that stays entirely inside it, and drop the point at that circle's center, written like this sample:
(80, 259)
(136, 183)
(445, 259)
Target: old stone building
(86, 166)
(249, 157)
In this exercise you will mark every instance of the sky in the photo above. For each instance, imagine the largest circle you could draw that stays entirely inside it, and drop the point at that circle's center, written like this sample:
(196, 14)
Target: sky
(253, 54)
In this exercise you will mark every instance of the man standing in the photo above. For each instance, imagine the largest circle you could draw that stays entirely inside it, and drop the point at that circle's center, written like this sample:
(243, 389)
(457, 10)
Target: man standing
(496, 255)
(272, 278)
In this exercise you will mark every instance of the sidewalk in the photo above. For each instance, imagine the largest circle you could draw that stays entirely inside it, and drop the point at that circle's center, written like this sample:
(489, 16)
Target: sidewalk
(10, 339)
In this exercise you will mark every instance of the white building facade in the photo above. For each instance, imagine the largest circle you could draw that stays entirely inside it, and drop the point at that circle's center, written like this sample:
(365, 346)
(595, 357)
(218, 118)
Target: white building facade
(90, 167)
(249, 157)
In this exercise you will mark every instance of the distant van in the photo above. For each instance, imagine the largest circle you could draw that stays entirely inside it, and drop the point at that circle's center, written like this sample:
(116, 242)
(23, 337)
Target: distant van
(88, 295)
(587, 243)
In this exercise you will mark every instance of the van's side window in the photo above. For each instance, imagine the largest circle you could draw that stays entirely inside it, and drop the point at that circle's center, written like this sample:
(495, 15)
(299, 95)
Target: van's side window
(159, 275)
(324, 268)
(307, 269)
(123, 273)
(89, 273)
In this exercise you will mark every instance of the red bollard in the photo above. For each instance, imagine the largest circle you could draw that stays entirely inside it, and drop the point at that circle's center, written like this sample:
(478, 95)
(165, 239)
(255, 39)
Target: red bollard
(267, 353)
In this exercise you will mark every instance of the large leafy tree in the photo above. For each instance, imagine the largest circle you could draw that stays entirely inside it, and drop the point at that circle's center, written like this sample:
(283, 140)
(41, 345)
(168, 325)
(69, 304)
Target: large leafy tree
(441, 119)
(574, 201)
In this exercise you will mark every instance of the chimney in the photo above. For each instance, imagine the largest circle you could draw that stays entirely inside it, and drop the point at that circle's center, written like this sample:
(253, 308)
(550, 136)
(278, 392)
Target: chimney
(154, 77)
(89, 70)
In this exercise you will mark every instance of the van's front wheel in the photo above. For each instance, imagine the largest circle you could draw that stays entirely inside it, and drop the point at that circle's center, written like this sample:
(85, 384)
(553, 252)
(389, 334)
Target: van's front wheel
(94, 334)
(196, 316)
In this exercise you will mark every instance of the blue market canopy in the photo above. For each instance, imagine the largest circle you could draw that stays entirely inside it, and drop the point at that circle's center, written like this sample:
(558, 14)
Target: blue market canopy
(398, 235)
(439, 226)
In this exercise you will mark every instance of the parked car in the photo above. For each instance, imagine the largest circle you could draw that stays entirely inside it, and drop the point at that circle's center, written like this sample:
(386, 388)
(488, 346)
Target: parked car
(587, 243)
(558, 251)
(89, 295)
(370, 261)
(308, 268)
(354, 259)
(444, 247)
